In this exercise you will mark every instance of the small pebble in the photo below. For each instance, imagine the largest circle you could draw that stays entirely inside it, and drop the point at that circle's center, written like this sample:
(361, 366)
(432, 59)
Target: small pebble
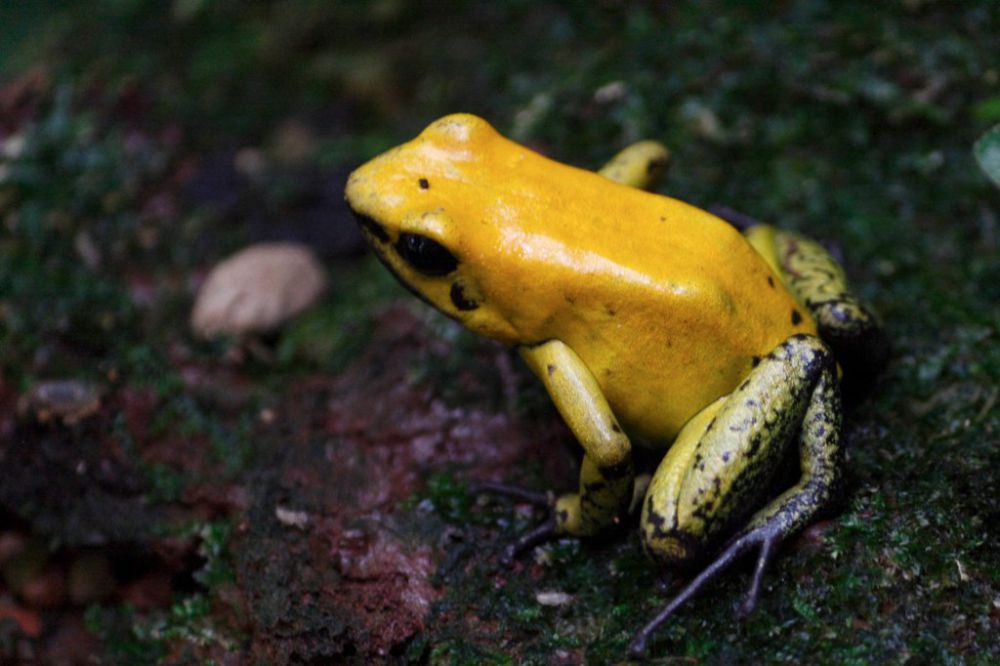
(553, 598)
(67, 400)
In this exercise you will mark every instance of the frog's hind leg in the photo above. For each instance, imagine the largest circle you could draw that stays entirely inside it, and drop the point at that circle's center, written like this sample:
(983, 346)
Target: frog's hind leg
(640, 165)
(725, 459)
(850, 328)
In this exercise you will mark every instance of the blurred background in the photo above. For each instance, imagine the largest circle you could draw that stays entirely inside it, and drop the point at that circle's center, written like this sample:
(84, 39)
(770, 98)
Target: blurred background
(299, 493)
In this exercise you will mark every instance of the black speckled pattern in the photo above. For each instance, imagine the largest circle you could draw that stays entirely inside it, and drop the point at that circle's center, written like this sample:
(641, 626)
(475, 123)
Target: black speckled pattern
(791, 396)
(845, 323)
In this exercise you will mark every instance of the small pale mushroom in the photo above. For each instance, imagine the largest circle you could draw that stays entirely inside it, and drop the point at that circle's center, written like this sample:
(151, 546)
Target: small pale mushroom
(257, 290)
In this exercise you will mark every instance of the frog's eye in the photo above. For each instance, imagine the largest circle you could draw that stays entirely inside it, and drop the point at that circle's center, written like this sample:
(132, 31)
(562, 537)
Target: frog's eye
(425, 255)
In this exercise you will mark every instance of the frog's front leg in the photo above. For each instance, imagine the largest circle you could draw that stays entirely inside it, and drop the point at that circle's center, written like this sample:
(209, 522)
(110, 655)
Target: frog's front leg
(606, 476)
(725, 458)
(640, 165)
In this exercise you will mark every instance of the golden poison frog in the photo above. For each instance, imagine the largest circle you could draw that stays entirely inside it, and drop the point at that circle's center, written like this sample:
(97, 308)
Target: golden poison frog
(649, 321)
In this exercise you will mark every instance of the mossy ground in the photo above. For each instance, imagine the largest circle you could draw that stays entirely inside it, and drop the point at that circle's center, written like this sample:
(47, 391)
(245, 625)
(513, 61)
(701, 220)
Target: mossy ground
(850, 121)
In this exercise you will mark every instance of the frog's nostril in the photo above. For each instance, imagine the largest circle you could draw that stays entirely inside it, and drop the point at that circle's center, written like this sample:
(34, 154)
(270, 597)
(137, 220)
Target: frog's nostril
(373, 227)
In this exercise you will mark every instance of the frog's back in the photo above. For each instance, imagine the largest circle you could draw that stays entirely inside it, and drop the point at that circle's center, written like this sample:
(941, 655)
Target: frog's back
(550, 227)
(679, 307)
(668, 305)
(519, 205)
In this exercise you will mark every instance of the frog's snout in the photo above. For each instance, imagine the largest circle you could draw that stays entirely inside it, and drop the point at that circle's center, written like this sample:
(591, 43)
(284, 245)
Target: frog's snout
(351, 188)
(354, 194)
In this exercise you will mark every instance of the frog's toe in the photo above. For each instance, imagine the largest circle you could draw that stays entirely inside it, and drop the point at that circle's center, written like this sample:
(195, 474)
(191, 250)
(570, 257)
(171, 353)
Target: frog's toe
(763, 538)
(766, 554)
(514, 492)
(544, 532)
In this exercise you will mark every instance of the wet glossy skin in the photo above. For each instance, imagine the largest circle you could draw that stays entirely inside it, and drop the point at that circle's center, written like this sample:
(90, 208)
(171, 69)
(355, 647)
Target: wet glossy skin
(647, 320)
(666, 304)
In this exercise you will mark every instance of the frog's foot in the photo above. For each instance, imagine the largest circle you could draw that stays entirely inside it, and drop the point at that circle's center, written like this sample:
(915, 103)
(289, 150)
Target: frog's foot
(597, 510)
(575, 515)
(513, 492)
(764, 539)
(640, 165)
(723, 461)
(546, 531)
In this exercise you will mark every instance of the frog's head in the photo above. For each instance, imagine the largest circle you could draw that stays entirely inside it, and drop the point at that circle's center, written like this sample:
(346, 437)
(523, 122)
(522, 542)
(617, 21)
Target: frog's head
(416, 206)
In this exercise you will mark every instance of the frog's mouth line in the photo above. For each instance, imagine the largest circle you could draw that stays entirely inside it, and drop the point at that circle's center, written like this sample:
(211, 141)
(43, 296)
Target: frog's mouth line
(375, 231)
(371, 226)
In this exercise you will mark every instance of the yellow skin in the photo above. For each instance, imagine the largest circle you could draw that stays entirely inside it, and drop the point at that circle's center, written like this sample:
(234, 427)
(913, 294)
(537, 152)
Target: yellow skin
(648, 320)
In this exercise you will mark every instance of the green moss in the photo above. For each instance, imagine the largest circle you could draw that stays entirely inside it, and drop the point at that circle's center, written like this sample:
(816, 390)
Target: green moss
(853, 122)
(147, 639)
(214, 548)
(335, 332)
(188, 626)
(450, 499)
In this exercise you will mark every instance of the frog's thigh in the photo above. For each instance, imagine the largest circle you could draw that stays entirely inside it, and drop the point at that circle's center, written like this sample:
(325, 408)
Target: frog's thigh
(818, 281)
(606, 475)
(640, 165)
(723, 462)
